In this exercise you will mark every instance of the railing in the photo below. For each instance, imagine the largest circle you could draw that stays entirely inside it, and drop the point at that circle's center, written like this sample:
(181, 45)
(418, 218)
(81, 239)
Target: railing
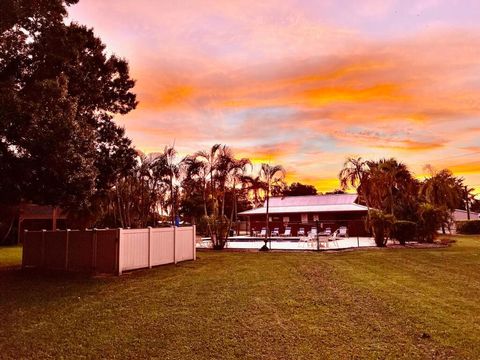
(109, 250)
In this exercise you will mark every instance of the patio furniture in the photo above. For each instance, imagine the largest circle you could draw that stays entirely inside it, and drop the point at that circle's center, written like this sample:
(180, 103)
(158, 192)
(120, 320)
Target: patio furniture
(263, 233)
(301, 232)
(304, 241)
(288, 231)
(342, 231)
(313, 232)
(275, 232)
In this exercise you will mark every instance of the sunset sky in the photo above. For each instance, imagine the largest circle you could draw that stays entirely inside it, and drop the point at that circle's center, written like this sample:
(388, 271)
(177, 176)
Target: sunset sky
(302, 83)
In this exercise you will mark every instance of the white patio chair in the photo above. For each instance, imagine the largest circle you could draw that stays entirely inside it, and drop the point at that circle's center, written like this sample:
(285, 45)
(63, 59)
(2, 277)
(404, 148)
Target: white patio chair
(263, 232)
(301, 232)
(313, 232)
(275, 232)
(342, 232)
(288, 231)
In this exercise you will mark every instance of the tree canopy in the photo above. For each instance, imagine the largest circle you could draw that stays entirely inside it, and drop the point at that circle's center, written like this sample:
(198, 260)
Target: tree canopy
(59, 91)
(299, 189)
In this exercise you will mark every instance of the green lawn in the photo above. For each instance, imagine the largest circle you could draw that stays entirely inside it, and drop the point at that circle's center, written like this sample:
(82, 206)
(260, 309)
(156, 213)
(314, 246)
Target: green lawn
(389, 303)
(10, 256)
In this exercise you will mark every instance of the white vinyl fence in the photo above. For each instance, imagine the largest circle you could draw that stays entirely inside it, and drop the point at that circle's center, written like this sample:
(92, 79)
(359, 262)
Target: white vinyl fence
(144, 248)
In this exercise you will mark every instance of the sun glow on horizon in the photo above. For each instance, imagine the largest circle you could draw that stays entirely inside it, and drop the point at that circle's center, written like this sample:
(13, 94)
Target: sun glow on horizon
(299, 83)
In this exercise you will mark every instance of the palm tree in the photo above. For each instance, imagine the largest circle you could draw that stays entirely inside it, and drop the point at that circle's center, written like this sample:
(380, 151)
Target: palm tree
(168, 171)
(352, 173)
(394, 176)
(270, 176)
(237, 172)
(355, 174)
(254, 185)
(443, 189)
(210, 160)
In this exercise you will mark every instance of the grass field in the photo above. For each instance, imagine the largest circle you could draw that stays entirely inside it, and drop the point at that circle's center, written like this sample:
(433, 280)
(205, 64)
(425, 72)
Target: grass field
(389, 303)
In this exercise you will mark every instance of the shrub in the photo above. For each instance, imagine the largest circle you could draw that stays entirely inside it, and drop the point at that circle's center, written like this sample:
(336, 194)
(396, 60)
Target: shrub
(468, 227)
(381, 225)
(404, 231)
(430, 219)
(218, 227)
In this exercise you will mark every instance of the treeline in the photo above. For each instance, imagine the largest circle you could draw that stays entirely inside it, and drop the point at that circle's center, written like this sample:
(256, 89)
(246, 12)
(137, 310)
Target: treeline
(402, 206)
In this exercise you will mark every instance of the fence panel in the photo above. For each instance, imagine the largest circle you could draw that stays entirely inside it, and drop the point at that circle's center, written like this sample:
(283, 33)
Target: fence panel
(106, 254)
(183, 241)
(161, 246)
(80, 251)
(32, 254)
(55, 250)
(134, 249)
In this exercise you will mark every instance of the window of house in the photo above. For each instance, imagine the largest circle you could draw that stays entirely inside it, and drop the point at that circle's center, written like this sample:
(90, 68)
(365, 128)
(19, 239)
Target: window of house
(316, 218)
(304, 218)
(286, 219)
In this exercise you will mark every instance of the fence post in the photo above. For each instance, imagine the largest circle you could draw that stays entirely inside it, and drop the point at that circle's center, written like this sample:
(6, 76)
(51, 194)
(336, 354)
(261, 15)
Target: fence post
(24, 247)
(174, 244)
(194, 242)
(67, 235)
(149, 247)
(43, 248)
(318, 236)
(94, 250)
(120, 252)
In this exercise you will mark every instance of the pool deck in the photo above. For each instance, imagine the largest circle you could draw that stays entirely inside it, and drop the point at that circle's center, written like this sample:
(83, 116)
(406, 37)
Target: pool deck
(292, 243)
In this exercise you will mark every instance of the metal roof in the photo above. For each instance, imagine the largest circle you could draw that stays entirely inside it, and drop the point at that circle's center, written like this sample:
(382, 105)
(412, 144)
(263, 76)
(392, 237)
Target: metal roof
(308, 204)
(306, 209)
(308, 200)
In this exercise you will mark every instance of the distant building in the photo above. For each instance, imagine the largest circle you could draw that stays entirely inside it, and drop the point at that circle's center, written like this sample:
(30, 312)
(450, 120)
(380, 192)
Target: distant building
(459, 215)
(324, 211)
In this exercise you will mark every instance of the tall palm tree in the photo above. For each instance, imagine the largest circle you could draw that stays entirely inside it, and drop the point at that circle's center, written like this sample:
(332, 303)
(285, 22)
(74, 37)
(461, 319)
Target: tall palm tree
(270, 174)
(352, 173)
(355, 174)
(237, 172)
(254, 185)
(394, 176)
(168, 171)
(210, 160)
(443, 189)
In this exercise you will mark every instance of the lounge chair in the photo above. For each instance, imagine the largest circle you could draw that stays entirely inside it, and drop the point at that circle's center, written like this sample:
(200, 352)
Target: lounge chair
(263, 232)
(288, 231)
(313, 232)
(301, 232)
(275, 232)
(328, 232)
(342, 231)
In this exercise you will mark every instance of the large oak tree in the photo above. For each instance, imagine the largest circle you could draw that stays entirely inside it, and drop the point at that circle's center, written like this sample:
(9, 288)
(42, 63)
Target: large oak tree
(59, 91)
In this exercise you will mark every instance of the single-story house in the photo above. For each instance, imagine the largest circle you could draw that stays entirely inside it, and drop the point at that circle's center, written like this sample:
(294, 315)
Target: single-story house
(321, 211)
(460, 215)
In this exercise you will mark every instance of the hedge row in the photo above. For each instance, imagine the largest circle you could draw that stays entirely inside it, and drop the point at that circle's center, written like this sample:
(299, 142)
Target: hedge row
(468, 227)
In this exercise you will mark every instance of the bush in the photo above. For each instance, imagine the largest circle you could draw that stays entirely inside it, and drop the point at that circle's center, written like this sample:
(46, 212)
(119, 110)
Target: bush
(468, 227)
(381, 225)
(431, 218)
(404, 231)
(218, 228)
